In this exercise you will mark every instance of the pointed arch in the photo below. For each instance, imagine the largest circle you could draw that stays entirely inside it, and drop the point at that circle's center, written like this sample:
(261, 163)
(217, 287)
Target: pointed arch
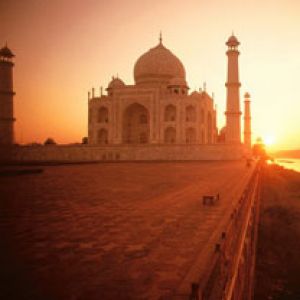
(170, 113)
(102, 116)
(190, 135)
(136, 125)
(170, 135)
(190, 113)
(202, 137)
(102, 137)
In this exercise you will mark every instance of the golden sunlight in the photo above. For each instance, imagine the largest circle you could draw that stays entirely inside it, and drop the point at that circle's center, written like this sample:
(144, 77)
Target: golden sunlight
(269, 140)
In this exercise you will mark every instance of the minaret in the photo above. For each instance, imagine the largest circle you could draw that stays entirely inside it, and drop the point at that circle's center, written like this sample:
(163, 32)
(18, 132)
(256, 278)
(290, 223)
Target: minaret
(6, 97)
(233, 114)
(247, 122)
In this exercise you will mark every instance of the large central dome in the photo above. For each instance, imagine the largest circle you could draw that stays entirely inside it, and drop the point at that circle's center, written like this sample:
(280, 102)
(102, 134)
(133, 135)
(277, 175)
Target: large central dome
(158, 65)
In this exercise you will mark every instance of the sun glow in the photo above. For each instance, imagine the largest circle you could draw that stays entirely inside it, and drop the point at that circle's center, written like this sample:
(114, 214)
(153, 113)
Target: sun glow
(269, 140)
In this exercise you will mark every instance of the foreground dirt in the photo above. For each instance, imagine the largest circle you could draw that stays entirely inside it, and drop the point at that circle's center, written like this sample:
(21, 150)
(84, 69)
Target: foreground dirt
(109, 231)
(278, 263)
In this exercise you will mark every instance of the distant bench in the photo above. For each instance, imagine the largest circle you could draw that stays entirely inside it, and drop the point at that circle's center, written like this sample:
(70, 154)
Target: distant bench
(210, 200)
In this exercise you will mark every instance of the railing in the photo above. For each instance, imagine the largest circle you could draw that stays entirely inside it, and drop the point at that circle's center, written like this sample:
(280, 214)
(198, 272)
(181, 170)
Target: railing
(229, 274)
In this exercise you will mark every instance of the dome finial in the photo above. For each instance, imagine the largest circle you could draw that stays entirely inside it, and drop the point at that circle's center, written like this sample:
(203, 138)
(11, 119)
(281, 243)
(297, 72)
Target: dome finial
(247, 95)
(160, 38)
(232, 41)
(6, 52)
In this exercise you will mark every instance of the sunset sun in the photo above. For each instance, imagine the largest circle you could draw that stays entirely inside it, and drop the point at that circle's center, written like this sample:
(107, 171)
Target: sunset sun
(269, 140)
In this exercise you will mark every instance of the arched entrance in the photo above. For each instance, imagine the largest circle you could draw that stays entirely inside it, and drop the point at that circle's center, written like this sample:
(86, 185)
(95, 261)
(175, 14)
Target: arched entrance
(136, 124)
(170, 113)
(202, 137)
(170, 135)
(103, 115)
(102, 137)
(190, 136)
(190, 114)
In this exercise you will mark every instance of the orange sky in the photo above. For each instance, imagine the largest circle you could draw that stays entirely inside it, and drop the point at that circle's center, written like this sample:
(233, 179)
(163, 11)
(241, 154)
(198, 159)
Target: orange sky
(64, 47)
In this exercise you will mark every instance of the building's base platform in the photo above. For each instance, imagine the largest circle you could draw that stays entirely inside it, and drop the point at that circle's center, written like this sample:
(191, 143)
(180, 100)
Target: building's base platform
(85, 153)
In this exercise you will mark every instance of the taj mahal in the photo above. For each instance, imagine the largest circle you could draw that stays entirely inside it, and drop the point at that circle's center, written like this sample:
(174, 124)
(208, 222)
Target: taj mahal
(156, 118)
(157, 109)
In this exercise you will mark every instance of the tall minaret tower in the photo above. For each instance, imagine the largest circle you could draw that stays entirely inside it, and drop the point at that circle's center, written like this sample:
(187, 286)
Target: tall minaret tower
(6, 97)
(233, 114)
(247, 122)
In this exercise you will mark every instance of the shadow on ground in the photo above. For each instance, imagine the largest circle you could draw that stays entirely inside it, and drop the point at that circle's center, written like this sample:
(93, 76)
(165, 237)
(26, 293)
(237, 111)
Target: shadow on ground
(278, 264)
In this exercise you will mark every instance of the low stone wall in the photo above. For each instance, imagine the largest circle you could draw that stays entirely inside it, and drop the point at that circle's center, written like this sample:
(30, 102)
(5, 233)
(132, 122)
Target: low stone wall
(6, 153)
(82, 153)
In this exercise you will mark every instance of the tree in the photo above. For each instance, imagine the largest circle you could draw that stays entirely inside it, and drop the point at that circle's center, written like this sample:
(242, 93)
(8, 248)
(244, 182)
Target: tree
(85, 140)
(49, 141)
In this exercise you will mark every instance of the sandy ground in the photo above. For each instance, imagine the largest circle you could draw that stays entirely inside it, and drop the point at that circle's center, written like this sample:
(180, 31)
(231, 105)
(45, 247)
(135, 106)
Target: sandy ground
(109, 231)
(278, 263)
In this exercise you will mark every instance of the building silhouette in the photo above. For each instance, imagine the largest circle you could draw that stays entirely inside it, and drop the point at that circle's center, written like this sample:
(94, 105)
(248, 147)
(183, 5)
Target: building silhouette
(156, 118)
(6, 97)
(158, 108)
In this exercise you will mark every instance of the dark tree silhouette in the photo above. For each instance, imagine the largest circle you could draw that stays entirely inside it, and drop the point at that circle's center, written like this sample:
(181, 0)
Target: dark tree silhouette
(85, 140)
(49, 141)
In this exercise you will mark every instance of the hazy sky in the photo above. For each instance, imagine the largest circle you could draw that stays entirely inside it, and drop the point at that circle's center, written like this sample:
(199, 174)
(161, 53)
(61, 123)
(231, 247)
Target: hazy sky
(65, 47)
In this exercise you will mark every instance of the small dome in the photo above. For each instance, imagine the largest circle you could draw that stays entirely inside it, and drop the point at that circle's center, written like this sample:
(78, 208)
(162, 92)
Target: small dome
(232, 41)
(158, 64)
(177, 82)
(115, 83)
(247, 95)
(195, 94)
(6, 52)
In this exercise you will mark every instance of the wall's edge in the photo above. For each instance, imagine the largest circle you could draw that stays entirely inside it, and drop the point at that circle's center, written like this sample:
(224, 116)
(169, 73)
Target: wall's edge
(86, 153)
